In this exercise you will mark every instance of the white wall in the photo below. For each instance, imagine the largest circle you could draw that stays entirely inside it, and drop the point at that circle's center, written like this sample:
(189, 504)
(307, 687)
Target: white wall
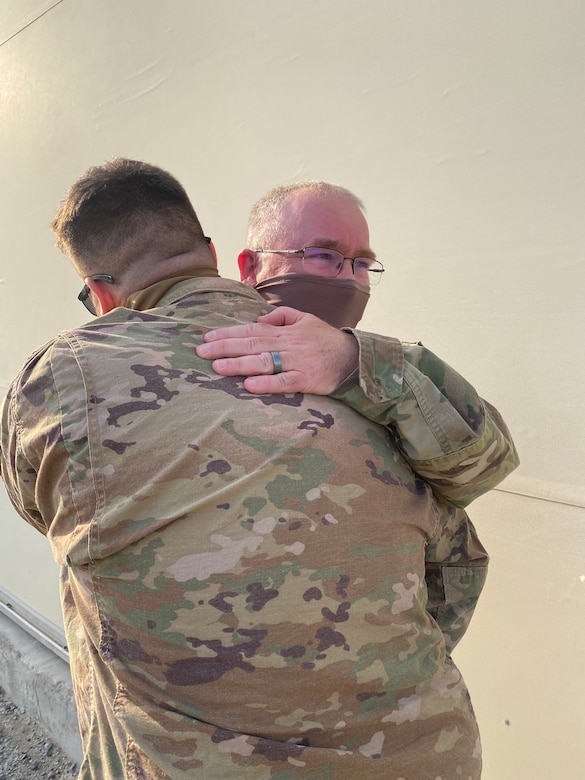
(462, 126)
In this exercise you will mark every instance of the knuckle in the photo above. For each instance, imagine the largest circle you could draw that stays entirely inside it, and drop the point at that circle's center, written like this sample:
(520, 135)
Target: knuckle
(288, 381)
(266, 362)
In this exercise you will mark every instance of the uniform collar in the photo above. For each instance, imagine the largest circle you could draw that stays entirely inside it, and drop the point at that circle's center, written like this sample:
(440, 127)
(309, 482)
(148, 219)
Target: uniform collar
(151, 295)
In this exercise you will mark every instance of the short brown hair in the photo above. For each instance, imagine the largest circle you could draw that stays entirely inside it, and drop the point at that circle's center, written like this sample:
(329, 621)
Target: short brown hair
(122, 211)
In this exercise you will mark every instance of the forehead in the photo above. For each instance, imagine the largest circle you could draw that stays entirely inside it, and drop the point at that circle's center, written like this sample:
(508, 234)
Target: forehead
(307, 217)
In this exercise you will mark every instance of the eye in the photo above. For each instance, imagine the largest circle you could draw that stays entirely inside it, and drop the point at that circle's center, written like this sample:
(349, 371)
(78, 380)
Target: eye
(363, 263)
(323, 255)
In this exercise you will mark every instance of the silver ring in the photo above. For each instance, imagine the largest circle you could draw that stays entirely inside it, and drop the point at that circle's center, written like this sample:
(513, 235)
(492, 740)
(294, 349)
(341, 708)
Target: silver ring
(276, 362)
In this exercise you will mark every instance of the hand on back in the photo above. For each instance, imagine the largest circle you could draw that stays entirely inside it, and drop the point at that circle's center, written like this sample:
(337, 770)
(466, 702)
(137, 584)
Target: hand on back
(315, 357)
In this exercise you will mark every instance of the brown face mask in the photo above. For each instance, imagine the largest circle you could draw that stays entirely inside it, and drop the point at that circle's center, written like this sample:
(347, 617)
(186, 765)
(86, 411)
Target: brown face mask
(340, 302)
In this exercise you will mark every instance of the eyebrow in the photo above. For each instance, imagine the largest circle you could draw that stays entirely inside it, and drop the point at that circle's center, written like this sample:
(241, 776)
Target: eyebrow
(328, 243)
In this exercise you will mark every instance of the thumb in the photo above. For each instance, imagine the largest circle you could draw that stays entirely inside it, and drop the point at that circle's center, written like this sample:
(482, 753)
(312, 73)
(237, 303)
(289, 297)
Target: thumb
(283, 315)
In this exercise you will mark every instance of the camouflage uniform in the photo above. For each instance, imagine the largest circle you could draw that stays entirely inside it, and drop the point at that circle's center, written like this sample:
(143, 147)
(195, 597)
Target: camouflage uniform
(458, 442)
(243, 577)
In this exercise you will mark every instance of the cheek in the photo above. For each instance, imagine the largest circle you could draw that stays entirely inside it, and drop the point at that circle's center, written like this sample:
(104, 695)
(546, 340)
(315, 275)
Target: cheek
(273, 266)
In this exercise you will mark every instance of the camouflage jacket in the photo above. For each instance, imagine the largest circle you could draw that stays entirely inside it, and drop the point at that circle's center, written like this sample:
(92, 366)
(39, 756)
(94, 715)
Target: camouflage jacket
(451, 437)
(243, 577)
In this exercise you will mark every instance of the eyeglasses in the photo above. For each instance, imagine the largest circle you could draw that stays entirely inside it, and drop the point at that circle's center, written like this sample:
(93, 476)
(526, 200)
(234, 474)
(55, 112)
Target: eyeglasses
(329, 262)
(85, 295)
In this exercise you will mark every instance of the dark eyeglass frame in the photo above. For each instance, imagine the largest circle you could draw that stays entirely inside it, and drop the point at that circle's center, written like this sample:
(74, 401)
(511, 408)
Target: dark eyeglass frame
(376, 272)
(85, 295)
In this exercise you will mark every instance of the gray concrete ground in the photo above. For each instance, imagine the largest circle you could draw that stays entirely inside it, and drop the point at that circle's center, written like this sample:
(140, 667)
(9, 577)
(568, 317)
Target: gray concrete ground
(36, 700)
(26, 751)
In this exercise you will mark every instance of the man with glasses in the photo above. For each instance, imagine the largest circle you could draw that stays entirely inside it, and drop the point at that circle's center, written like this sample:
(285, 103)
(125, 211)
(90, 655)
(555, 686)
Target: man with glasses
(309, 248)
(242, 576)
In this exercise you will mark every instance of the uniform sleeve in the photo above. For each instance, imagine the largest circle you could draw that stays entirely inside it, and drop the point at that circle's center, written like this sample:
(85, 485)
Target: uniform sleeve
(456, 565)
(451, 437)
(30, 426)
(18, 473)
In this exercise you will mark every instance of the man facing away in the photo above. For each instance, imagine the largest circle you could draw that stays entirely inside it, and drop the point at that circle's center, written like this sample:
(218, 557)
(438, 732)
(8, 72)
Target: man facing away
(242, 576)
(308, 247)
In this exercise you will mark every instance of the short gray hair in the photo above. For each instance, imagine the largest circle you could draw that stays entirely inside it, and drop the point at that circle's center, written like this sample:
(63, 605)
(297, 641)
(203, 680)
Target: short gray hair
(264, 220)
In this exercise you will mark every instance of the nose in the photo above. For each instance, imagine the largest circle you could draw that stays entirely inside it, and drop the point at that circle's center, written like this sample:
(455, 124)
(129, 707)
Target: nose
(346, 271)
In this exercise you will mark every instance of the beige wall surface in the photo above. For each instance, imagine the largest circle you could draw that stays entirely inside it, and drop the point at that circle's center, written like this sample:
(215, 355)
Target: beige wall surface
(462, 127)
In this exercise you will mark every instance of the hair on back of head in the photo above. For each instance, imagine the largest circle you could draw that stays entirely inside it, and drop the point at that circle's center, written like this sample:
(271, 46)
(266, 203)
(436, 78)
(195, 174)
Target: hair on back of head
(264, 220)
(123, 211)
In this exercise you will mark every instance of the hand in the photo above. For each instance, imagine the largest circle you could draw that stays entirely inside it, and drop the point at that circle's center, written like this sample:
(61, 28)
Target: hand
(316, 357)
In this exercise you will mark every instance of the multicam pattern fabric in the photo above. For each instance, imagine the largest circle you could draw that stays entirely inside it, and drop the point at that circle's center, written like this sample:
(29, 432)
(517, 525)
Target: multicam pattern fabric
(452, 438)
(243, 577)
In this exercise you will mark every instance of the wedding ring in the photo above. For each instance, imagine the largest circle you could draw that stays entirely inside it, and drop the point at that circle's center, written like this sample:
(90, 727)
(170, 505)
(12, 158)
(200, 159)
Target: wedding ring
(276, 362)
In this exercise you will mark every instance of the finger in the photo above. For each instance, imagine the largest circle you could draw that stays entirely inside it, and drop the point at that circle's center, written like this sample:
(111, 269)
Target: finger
(283, 315)
(249, 365)
(236, 347)
(287, 382)
(234, 331)
(251, 329)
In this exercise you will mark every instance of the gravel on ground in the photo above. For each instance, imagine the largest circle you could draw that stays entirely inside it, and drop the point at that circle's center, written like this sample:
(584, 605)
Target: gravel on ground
(26, 753)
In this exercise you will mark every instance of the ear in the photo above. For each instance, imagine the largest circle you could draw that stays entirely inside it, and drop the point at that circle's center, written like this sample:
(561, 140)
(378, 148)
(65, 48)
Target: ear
(247, 263)
(213, 252)
(104, 295)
